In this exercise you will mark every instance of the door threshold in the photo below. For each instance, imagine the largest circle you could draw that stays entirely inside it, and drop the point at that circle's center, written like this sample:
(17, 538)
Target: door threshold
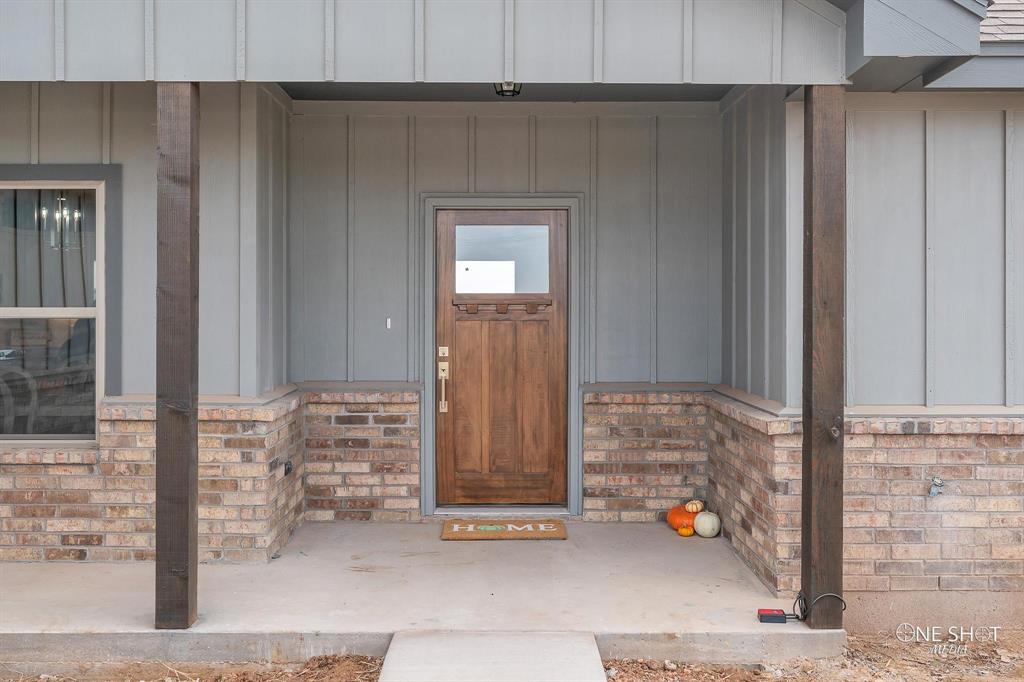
(486, 511)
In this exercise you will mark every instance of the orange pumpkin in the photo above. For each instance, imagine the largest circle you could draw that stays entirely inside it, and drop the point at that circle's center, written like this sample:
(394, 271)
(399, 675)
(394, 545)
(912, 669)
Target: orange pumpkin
(685, 531)
(678, 517)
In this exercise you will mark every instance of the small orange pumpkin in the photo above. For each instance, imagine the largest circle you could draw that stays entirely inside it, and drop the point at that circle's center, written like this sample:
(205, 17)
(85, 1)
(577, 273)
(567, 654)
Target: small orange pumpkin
(685, 531)
(678, 517)
(694, 506)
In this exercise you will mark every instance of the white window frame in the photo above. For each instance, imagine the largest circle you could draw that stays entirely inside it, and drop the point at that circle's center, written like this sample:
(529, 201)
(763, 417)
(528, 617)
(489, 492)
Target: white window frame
(96, 312)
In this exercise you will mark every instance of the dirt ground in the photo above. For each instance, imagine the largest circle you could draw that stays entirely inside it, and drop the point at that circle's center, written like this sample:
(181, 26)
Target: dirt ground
(866, 658)
(316, 669)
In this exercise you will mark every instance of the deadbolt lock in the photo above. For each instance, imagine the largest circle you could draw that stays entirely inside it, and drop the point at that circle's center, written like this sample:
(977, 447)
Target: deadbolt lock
(442, 351)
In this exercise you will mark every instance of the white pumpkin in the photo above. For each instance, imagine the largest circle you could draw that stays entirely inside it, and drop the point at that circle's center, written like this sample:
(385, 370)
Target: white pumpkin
(707, 524)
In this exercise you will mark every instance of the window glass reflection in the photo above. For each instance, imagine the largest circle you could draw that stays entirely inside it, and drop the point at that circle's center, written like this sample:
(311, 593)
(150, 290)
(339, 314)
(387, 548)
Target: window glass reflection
(47, 377)
(501, 259)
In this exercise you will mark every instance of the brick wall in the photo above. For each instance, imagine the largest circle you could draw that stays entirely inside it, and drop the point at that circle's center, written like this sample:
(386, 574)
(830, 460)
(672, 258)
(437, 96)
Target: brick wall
(98, 503)
(896, 537)
(643, 453)
(360, 449)
(355, 455)
(362, 456)
(750, 475)
(971, 537)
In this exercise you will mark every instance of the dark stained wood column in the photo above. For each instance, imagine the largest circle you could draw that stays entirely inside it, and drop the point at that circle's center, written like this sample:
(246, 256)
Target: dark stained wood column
(824, 351)
(177, 353)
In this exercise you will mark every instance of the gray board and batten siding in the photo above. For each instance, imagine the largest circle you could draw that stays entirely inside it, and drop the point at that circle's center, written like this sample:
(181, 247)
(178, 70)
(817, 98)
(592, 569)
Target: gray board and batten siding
(935, 249)
(648, 175)
(760, 248)
(686, 277)
(935, 259)
(535, 41)
(243, 142)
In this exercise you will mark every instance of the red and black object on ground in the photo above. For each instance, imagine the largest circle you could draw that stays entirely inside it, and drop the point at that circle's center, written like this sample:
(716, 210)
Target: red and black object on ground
(771, 615)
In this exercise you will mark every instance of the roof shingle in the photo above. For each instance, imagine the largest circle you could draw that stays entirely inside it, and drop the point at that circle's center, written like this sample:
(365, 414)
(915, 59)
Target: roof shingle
(1005, 21)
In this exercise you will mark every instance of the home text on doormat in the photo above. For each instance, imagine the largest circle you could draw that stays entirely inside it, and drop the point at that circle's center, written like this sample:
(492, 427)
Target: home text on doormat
(503, 529)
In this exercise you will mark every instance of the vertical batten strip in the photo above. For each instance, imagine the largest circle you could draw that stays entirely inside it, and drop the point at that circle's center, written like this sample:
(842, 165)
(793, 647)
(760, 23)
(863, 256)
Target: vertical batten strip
(240, 40)
(591, 278)
(654, 248)
(285, 350)
(851, 298)
(768, 94)
(510, 40)
(1010, 269)
(471, 154)
(149, 30)
(329, 28)
(533, 153)
(266, 277)
(250, 315)
(687, 41)
(419, 41)
(598, 41)
(58, 40)
(733, 139)
(749, 165)
(715, 229)
(34, 125)
(350, 343)
(297, 238)
(929, 260)
(107, 133)
(776, 9)
(411, 251)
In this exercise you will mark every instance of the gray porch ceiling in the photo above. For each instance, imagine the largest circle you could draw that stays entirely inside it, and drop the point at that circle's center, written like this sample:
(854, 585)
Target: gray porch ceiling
(484, 92)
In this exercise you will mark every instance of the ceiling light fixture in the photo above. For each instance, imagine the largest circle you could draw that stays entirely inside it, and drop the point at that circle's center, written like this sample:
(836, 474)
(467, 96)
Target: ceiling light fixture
(507, 89)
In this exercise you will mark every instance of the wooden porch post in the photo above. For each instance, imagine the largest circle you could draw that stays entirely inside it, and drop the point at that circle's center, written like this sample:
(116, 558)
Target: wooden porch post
(824, 351)
(177, 353)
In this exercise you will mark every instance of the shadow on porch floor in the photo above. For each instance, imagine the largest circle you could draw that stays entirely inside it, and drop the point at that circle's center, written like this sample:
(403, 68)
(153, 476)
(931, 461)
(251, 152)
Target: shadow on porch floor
(347, 587)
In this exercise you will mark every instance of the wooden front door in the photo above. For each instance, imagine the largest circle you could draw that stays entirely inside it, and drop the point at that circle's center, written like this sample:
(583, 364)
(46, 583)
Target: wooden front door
(501, 356)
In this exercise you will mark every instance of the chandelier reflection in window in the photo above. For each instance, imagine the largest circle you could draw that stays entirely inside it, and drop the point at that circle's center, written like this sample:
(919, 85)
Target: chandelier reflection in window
(62, 225)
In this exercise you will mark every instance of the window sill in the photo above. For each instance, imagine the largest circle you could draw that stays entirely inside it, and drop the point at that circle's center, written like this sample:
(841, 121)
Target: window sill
(48, 444)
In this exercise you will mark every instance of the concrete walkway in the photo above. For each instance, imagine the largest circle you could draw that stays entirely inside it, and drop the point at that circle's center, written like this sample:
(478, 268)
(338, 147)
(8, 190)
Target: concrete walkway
(432, 656)
(348, 587)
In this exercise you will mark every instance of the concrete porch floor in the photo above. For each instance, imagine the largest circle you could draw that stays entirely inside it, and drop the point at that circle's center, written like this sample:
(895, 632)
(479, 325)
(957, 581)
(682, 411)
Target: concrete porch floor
(348, 587)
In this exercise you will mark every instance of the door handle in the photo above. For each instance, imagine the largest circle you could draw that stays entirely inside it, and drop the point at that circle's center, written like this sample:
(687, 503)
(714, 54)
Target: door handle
(442, 375)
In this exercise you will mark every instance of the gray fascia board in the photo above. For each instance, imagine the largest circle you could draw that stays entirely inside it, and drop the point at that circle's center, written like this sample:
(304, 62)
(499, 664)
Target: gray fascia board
(1003, 49)
(900, 28)
(855, 57)
(984, 72)
(879, 31)
(979, 7)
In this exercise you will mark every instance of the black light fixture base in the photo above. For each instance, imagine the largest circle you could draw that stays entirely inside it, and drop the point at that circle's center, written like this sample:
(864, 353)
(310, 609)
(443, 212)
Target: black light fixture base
(507, 89)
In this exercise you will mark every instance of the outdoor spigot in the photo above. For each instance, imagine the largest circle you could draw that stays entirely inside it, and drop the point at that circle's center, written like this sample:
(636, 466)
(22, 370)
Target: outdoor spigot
(936, 488)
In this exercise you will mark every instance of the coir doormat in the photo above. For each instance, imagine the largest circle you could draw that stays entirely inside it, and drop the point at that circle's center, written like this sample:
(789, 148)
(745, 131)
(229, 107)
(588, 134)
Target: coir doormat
(503, 529)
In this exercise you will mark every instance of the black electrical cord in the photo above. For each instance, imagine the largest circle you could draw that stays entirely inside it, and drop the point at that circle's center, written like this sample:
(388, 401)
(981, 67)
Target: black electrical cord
(801, 609)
